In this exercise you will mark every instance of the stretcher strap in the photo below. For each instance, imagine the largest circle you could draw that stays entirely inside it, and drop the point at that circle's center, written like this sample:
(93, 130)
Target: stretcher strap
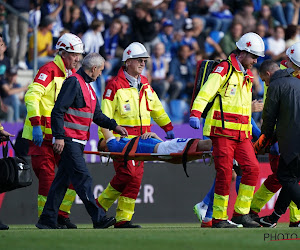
(130, 149)
(185, 154)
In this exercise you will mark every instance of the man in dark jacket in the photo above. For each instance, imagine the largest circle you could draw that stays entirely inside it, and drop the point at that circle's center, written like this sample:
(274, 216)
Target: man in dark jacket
(75, 109)
(282, 108)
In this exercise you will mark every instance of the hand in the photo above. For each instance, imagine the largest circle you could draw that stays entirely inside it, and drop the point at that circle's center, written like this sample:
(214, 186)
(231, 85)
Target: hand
(122, 131)
(170, 134)
(37, 135)
(147, 135)
(257, 106)
(195, 122)
(58, 146)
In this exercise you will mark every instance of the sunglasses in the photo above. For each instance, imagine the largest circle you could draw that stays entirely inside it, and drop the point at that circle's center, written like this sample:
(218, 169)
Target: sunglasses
(139, 60)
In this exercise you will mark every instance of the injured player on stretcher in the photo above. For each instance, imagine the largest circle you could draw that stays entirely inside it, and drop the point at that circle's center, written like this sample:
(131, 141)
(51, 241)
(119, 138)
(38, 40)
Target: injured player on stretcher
(149, 143)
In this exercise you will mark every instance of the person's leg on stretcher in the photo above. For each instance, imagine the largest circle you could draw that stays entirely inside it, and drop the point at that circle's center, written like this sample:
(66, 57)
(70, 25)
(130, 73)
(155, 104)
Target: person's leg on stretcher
(149, 143)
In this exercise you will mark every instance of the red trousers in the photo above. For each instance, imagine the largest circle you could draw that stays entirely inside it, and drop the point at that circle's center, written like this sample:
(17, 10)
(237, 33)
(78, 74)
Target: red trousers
(272, 183)
(224, 151)
(127, 180)
(44, 160)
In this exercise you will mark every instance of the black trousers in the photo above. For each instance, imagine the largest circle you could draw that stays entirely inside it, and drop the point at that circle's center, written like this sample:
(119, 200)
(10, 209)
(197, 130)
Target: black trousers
(72, 168)
(289, 177)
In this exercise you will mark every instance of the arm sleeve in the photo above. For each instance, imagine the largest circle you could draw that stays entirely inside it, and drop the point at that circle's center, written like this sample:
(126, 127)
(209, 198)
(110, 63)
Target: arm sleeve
(64, 100)
(255, 130)
(102, 120)
(271, 110)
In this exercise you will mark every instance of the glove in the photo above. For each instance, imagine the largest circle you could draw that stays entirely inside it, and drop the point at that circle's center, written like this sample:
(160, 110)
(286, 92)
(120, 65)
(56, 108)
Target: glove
(195, 122)
(170, 135)
(37, 135)
(261, 143)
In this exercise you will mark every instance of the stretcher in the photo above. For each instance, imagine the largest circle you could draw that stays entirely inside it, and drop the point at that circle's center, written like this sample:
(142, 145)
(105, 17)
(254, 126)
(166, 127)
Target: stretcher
(129, 153)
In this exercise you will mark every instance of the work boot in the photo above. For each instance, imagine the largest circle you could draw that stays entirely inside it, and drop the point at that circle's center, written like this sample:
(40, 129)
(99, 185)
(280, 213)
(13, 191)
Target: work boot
(224, 224)
(126, 224)
(105, 222)
(254, 216)
(294, 224)
(266, 222)
(245, 220)
(3, 226)
(41, 225)
(65, 222)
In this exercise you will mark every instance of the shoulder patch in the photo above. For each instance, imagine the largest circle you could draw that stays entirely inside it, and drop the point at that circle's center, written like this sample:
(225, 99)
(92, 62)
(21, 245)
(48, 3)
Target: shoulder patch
(42, 76)
(218, 69)
(108, 93)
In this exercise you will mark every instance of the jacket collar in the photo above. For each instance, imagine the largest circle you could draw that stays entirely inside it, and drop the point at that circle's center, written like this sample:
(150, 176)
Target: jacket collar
(236, 66)
(84, 75)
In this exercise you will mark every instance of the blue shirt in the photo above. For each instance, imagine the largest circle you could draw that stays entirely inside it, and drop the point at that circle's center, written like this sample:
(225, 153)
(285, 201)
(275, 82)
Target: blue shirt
(144, 146)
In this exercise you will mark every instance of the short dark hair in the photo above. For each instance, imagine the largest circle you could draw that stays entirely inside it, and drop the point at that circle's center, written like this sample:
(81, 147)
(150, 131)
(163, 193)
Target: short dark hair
(268, 65)
(99, 143)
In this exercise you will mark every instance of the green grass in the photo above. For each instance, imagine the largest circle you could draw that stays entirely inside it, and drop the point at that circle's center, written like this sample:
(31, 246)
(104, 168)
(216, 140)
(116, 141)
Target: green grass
(150, 236)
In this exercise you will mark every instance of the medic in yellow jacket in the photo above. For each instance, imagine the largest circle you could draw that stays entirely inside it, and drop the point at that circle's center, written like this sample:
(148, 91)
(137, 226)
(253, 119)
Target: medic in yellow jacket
(129, 99)
(132, 108)
(231, 141)
(40, 99)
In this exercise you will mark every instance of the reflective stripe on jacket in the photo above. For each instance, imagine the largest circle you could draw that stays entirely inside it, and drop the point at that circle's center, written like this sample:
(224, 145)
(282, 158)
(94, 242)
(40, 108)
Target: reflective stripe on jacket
(41, 96)
(131, 108)
(236, 101)
(77, 121)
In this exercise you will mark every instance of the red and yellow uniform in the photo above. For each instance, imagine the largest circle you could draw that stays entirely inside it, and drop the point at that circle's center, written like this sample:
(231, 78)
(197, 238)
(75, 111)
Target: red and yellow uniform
(232, 141)
(40, 99)
(271, 185)
(133, 110)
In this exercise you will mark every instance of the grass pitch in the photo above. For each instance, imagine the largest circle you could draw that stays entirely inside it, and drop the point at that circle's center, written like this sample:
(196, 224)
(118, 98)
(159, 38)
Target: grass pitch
(150, 236)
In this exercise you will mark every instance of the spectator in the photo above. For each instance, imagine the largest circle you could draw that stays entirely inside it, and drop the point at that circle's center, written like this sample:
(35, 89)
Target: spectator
(181, 76)
(283, 11)
(3, 23)
(166, 36)
(92, 39)
(73, 24)
(291, 35)
(10, 93)
(159, 67)
(4, 61)
(53, 8)
(276, 44)
(261, 31)
(246, 18)
(89, 12)
(178, 15)
(125, 37)
(45, 43)
(18, 28)
(189, 40)
(35, 14)
(144, 25)
(265, 18)
(228, 42)
(111, 40)
(202, 38)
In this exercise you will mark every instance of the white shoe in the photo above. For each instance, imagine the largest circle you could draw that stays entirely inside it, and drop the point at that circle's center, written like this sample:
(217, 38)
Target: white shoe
(232, 223)
(200, 210)
(22, 65)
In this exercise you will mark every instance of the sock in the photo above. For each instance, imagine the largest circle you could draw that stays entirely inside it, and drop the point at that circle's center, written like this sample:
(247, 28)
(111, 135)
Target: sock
(237, 183)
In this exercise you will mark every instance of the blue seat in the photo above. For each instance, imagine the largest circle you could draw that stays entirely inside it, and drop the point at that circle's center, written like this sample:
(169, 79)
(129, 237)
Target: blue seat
(216, 36)
(179, 109)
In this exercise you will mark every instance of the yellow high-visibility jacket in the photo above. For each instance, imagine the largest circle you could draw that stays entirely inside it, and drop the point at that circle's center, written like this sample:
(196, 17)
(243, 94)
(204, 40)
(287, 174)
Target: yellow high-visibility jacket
(41, 96)
(131, 108)
(236, 100)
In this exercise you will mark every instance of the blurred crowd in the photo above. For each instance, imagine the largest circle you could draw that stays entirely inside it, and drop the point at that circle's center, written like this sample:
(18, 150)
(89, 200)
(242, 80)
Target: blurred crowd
(177, 33)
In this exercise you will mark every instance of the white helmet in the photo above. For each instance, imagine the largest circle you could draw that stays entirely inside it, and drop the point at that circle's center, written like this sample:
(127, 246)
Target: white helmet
(70, 43)
(293, 53)
(135, 50)
(252, 43)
